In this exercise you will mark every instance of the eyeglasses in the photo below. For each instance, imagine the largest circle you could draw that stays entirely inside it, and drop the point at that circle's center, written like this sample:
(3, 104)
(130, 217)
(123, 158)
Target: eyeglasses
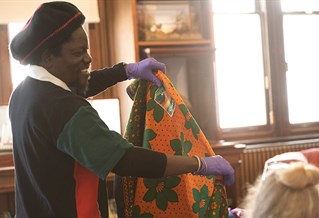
(273, 165)
(282, 161)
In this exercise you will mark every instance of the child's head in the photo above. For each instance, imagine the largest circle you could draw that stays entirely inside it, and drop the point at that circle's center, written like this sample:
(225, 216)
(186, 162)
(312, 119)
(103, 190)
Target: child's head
(287, 192)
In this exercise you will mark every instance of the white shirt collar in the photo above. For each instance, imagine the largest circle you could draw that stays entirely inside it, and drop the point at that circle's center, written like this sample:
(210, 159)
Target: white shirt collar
(40, 73)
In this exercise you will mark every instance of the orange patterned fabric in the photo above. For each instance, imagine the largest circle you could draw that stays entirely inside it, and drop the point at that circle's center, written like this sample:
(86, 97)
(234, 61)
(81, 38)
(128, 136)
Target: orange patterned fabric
(152, 127)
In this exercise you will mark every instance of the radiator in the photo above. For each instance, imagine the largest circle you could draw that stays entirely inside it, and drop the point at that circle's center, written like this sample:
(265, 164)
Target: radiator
(254, 156)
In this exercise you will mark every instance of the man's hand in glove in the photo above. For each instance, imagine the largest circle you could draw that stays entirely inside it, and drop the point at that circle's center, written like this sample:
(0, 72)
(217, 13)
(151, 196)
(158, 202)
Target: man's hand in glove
(145, 70)
(216, 165)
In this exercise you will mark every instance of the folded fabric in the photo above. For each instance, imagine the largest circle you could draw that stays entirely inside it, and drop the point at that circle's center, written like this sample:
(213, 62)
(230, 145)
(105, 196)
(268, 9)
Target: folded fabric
(161, 121)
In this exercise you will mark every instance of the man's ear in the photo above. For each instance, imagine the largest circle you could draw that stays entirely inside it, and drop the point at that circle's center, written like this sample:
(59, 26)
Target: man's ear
(46, 59)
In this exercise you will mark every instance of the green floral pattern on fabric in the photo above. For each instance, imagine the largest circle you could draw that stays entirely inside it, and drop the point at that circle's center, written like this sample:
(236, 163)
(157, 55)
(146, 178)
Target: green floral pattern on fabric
(137, 213)
(158, 112)
(161, 191)
(218, 206)
(180, 146)
(148, 136)
(190, 121)
(136, 124)
(202, 200)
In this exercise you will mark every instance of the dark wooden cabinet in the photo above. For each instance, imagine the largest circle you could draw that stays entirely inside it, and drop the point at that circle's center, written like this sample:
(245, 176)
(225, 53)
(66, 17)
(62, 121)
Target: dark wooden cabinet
(7, 204)
(233, 154)
(178, 33)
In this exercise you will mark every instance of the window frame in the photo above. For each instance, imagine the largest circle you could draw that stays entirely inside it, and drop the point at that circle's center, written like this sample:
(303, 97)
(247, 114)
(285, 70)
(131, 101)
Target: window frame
(279, 83)
(278, 127)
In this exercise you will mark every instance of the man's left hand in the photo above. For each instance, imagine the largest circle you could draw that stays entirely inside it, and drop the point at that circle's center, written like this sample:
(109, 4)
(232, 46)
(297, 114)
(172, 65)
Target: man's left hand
(145, 70)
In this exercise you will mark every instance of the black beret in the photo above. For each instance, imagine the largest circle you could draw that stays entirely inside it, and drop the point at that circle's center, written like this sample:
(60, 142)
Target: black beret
(50, 24)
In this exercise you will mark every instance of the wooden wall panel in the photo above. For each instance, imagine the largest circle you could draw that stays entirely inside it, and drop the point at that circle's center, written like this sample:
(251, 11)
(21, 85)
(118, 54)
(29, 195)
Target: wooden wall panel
(5, 76)
(101, 40)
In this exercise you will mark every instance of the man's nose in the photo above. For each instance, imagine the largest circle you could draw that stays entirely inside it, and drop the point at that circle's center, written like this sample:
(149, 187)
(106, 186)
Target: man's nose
(87, 58)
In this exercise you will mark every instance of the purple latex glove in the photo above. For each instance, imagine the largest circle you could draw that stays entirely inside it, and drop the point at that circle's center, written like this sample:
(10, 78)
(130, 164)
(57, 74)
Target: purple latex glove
(144, 70)
(217, 165)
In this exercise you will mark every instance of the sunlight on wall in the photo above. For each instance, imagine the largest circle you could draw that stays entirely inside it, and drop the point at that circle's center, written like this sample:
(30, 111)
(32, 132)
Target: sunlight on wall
(18, 71)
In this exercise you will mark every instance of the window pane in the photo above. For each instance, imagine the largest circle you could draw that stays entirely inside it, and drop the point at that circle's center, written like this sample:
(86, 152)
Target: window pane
(301, 54)
(239, 68)
(299, 5)
(233, 6)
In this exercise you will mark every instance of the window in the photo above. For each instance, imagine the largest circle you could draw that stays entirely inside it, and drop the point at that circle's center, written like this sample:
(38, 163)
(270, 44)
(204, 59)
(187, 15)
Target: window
(302, 66)
(266, 68)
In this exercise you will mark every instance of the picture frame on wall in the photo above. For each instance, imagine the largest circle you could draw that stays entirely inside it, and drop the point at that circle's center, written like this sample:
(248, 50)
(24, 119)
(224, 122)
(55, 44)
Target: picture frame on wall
(173, 20)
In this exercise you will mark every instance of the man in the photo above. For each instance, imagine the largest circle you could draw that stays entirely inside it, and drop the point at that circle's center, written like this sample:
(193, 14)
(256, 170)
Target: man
(61, 146)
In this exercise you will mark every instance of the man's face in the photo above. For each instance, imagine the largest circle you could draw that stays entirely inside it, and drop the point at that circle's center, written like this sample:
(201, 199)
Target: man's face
(72, 65)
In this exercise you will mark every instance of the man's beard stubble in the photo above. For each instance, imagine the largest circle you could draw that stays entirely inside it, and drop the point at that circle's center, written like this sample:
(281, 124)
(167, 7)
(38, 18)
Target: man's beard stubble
(81, 85)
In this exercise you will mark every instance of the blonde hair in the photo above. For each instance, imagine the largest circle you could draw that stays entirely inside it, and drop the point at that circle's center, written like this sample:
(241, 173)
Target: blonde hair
(289, 192)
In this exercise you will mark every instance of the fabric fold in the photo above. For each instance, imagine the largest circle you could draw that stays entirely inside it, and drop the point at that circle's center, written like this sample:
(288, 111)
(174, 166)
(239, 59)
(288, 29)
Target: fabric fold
(161, 121)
